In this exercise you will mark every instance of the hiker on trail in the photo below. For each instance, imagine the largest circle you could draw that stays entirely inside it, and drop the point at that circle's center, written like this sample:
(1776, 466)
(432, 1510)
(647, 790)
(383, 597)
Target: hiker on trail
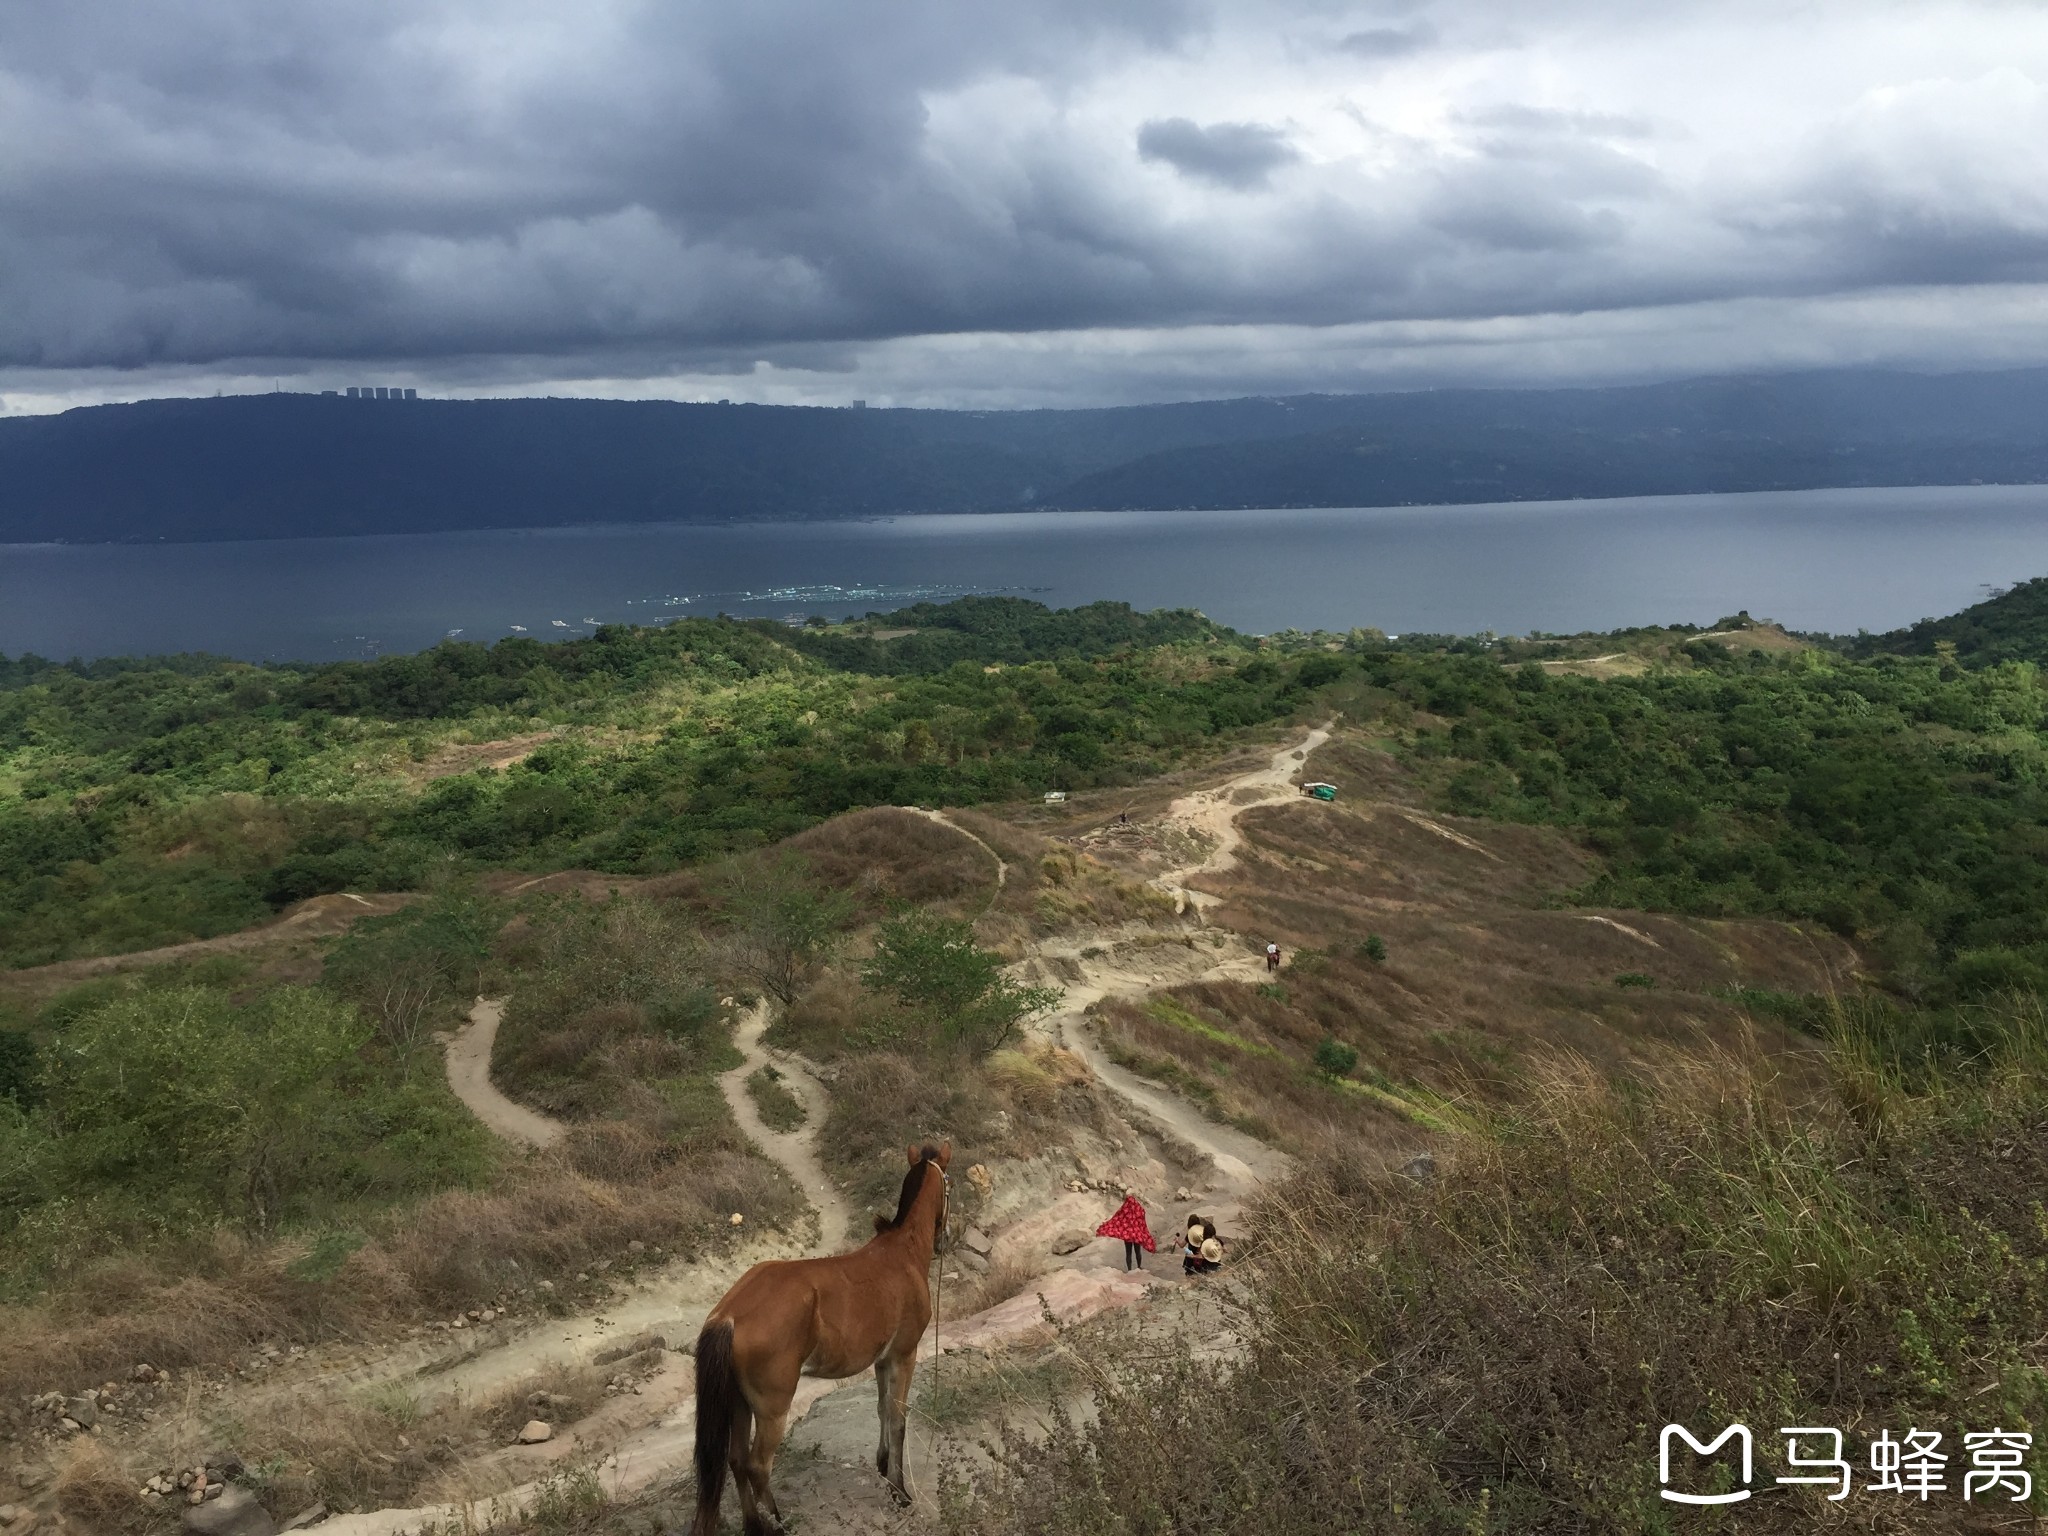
(1200, 1228)
(1129, 1224)
(1123, 818)
(1272, 957)
(1212, 1255)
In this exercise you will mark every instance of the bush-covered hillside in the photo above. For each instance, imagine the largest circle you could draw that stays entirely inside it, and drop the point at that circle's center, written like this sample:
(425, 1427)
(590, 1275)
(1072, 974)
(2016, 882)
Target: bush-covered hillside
(1893, 800)
(140, 805)
(1898, 799)
(2008, 626)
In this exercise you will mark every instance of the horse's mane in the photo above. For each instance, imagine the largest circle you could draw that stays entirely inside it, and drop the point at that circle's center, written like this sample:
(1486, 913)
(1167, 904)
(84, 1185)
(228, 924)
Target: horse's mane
(913, 1182)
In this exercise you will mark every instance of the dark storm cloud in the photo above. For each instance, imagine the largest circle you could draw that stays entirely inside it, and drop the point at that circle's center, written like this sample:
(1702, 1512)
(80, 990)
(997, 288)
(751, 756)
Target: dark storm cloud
(1241, 156)
(691, 186)
(1387, 42)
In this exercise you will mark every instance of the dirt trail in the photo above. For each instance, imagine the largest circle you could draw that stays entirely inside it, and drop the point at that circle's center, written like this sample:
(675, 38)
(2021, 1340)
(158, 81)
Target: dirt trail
(636, 1442)
(316, 917)
(1002, 868)
(469, 1076)
(1212, 814)
(792, 1149)
(1134, 970)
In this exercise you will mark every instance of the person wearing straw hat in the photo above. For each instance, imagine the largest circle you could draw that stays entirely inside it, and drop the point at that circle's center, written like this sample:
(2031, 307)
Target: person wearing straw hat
(1212, 1255)
(1199, 1229)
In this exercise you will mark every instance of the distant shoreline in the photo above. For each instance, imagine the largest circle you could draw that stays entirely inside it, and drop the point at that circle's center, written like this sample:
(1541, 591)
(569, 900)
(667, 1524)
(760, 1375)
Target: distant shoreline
(1528, 503)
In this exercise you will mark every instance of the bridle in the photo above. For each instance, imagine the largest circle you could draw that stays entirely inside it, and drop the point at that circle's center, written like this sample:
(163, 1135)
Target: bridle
(945, 1203)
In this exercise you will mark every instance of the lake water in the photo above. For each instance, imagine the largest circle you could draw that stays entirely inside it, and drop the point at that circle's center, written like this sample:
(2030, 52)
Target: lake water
(1831, 560)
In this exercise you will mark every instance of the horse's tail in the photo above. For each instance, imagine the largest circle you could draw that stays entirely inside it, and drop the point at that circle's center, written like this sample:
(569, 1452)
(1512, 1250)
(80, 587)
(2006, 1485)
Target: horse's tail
(718, 1405)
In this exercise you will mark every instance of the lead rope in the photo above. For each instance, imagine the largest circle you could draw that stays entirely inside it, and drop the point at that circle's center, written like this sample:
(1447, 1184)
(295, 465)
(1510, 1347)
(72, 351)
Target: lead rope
(938, 1299)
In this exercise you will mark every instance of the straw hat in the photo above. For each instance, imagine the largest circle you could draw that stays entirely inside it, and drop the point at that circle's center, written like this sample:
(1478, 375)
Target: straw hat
(1212, 1251)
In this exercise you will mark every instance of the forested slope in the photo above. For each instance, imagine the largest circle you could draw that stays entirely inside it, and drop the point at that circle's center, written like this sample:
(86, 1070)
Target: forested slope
(293, 465)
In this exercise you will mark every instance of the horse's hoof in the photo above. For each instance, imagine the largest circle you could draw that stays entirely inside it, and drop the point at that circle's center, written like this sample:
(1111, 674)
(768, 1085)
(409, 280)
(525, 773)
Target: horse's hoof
(900, 1494)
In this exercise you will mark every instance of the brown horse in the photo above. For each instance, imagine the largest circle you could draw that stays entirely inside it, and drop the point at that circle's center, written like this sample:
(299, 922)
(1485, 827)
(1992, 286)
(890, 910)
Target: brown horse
(831, 1317)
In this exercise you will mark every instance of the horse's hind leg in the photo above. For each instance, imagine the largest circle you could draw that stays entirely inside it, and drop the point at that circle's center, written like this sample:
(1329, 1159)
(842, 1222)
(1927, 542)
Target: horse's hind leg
(895, 1414)
(739, 1457)
(768, 1434)
(885, 1394)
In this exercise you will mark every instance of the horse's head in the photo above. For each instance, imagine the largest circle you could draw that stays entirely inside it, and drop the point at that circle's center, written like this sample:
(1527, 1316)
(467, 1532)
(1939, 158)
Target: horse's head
(926, 1190)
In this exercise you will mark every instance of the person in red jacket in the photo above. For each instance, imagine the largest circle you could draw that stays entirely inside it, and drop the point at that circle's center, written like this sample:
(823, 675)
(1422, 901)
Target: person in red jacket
(1130, 1225)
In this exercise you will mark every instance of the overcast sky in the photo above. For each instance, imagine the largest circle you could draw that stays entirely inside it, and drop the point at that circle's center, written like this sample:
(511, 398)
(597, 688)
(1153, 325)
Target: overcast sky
(1038, 202)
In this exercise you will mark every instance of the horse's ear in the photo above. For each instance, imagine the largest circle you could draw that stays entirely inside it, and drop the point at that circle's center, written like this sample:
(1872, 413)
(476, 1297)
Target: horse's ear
(913, 1149)
(945, 1153)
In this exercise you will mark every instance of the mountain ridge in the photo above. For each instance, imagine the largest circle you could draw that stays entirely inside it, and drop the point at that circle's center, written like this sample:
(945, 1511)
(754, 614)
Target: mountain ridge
(300, 465)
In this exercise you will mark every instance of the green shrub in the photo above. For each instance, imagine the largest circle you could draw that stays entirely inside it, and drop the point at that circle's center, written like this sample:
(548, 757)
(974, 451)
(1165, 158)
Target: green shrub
(173, 1107)
(781, 924)
(933, 967)
(1333, 1058)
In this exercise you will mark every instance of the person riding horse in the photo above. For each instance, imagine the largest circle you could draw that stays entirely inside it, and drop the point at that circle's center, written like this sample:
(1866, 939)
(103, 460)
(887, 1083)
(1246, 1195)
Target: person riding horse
(832, 1317)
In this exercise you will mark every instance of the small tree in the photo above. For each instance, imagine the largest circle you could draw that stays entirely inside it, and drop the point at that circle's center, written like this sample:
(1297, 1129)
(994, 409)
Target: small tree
(404, 967)
(1374, 949)
(783, 924)
(934, 968)
(1335, 1059)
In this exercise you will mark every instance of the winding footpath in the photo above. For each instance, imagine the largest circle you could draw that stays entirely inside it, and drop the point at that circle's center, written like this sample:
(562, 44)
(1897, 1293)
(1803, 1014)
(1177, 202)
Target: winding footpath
(793, 1150)
(469, 1078)
(1213, 813)
(632, 1460)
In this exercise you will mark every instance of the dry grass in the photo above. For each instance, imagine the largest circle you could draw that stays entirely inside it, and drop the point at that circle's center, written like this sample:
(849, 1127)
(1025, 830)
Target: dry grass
(95, 1493)
(1495, 1350)
(1763, 636)
(1035, 1077)
(973, 1293)
(884, 1100)
(836, 1015)
(1075, 889)
(390, 1447)
(219, 1296)
(879, 856)
(1482, 966)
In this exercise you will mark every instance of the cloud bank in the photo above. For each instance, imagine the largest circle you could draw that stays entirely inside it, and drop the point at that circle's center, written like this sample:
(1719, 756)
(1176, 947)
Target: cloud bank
(923, 201)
